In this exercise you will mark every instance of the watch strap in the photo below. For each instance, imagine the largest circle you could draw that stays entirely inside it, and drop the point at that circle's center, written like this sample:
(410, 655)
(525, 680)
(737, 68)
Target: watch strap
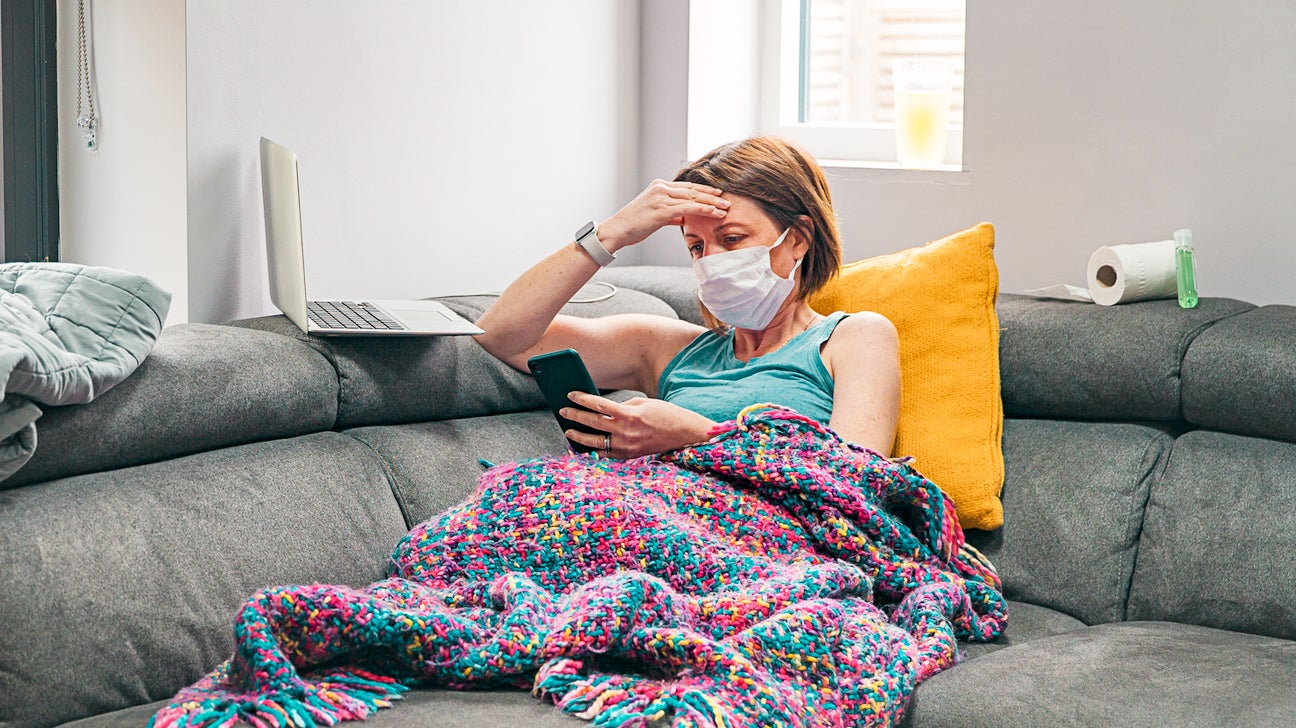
(587, 238)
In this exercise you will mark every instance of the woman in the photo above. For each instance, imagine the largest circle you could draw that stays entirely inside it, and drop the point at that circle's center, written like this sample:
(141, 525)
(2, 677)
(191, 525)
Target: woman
(757, 218)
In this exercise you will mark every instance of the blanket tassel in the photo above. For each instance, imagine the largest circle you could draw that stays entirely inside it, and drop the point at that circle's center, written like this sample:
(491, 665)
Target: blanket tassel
(327, 700)
(608, 701)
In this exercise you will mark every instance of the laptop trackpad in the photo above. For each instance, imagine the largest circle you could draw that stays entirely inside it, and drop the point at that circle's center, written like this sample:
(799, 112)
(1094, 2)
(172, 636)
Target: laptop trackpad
(416, 313)
(428, 317)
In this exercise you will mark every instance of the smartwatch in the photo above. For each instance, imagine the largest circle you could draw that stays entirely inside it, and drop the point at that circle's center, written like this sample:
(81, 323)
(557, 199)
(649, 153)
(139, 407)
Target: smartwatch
(587, 238)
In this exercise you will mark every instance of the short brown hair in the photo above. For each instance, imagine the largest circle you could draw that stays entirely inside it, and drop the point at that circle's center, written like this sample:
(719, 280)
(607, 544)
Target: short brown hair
(788, 184)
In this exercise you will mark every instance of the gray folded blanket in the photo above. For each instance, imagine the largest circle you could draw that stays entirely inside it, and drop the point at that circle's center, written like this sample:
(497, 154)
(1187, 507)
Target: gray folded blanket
(68, 333)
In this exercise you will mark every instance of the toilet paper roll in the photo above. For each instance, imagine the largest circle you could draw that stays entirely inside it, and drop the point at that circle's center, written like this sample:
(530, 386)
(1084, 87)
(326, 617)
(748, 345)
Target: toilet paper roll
(1125, 273)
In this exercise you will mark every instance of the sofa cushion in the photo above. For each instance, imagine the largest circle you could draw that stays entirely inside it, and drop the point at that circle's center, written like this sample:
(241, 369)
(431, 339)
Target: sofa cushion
(201, 388)
(389, 380)
(435, 465)
(1073, 505)
(941, 298)
(1134, 673)
(419, 708)
(1026, 622)
(1240, 375)
(1219, 537)
(120, 587)
(1068, 360)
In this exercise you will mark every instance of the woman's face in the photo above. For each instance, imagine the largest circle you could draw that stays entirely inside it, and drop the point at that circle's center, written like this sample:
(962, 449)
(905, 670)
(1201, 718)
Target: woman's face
(744, 226)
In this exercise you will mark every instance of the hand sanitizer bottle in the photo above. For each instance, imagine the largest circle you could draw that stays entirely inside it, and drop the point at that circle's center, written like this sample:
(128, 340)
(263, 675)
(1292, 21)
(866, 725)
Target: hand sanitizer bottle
(1185, 272)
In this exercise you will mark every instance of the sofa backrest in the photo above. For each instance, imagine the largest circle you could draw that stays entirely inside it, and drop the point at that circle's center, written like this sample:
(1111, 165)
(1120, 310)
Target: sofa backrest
(1218, 538)
(1220, 529)
(1067, 360)
(201, 388)
(1240, 375)
(205, 386)
(422, 379)
(1073, 496)
(1187, 518)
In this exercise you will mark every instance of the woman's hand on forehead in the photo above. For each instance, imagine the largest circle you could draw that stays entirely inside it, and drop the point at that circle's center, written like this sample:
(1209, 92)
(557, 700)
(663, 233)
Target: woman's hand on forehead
(661, 204)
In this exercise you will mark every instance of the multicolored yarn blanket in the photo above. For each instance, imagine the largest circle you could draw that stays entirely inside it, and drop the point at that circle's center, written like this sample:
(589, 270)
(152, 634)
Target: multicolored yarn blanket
(775, 575)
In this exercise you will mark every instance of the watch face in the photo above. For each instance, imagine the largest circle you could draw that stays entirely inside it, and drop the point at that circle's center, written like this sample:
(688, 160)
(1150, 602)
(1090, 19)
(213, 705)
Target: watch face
(586, 229)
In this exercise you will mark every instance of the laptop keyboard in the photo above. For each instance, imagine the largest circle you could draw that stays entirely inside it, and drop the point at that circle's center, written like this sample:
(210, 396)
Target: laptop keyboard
(350, 315)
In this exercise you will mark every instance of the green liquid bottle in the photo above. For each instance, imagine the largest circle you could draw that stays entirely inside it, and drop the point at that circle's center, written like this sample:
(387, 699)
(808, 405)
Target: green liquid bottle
(1185, 271)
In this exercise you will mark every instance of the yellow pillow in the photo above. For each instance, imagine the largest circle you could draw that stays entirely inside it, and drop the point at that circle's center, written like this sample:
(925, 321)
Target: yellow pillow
(941, 298)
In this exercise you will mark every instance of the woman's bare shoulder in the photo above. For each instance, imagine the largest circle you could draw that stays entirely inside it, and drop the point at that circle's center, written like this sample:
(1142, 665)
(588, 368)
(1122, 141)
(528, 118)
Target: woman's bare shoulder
(858, 335)
(863, 327)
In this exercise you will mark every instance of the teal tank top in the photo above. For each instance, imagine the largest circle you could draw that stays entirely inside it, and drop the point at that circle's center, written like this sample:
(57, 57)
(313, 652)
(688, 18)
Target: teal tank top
(707, 378)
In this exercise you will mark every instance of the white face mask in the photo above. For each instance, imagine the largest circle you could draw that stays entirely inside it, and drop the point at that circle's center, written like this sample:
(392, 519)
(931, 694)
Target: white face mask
(741, 288)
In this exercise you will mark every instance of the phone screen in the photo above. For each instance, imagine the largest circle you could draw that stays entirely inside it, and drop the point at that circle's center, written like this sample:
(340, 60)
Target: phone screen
(558, 373)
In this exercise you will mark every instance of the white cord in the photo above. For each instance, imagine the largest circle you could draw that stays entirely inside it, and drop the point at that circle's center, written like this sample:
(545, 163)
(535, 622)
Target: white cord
(612, 291)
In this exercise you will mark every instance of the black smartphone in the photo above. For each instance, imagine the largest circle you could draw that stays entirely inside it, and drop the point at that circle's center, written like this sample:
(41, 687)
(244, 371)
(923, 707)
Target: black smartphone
(558, 373)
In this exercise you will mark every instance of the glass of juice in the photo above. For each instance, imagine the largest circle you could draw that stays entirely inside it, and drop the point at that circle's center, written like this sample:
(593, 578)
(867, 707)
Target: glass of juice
(922, 103)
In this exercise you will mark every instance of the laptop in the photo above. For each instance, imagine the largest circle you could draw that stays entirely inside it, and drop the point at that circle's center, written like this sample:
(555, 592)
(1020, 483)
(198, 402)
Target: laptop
(281, 197)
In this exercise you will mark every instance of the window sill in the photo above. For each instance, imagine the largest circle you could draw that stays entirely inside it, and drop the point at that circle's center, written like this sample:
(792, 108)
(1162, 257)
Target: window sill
(947, 174)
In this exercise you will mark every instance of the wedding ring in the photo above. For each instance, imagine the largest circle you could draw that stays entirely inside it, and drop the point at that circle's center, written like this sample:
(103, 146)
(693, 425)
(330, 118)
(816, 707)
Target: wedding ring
(607, 442)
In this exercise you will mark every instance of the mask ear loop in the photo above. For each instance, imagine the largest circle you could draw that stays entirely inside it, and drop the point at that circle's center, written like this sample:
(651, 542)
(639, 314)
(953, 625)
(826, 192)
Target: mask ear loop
(795, 266)
(800, 260)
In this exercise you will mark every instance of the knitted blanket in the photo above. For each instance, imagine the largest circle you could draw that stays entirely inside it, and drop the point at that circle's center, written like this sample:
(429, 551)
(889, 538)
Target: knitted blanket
(775, 575)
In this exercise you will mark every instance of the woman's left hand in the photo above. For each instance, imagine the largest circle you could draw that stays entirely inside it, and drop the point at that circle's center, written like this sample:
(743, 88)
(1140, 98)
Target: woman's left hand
(638, 426)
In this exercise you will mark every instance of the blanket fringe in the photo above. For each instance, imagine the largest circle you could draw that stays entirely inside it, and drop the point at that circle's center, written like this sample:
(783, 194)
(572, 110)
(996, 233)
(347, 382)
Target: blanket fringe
(619, 701)
(325, 700)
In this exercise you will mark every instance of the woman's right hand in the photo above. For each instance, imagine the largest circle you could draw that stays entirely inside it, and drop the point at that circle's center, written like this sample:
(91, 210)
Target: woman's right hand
(661, 203)
(638, 426)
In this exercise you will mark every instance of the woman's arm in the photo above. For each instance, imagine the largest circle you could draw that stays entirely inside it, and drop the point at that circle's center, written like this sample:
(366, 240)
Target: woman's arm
(863, 356)
(524, 320)
(625, 351)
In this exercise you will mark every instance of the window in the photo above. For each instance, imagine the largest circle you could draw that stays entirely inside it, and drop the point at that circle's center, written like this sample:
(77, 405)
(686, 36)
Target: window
(827, 79)
(30, 119)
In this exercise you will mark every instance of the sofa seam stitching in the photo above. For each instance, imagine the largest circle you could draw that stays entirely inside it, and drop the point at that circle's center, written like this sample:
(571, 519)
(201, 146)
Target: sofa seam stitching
(1153, 477)
(330, 356)
(389, 473)
(1185, 344)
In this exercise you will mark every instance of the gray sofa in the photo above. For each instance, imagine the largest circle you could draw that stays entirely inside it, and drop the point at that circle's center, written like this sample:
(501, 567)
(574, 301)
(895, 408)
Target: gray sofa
(1148, 547)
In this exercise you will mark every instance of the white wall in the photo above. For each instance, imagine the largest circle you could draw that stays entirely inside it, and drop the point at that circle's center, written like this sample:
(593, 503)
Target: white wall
(664, 68)
(124, 205)
(443, 146)
(1098, 123)
(724, 35)
(458, 142)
